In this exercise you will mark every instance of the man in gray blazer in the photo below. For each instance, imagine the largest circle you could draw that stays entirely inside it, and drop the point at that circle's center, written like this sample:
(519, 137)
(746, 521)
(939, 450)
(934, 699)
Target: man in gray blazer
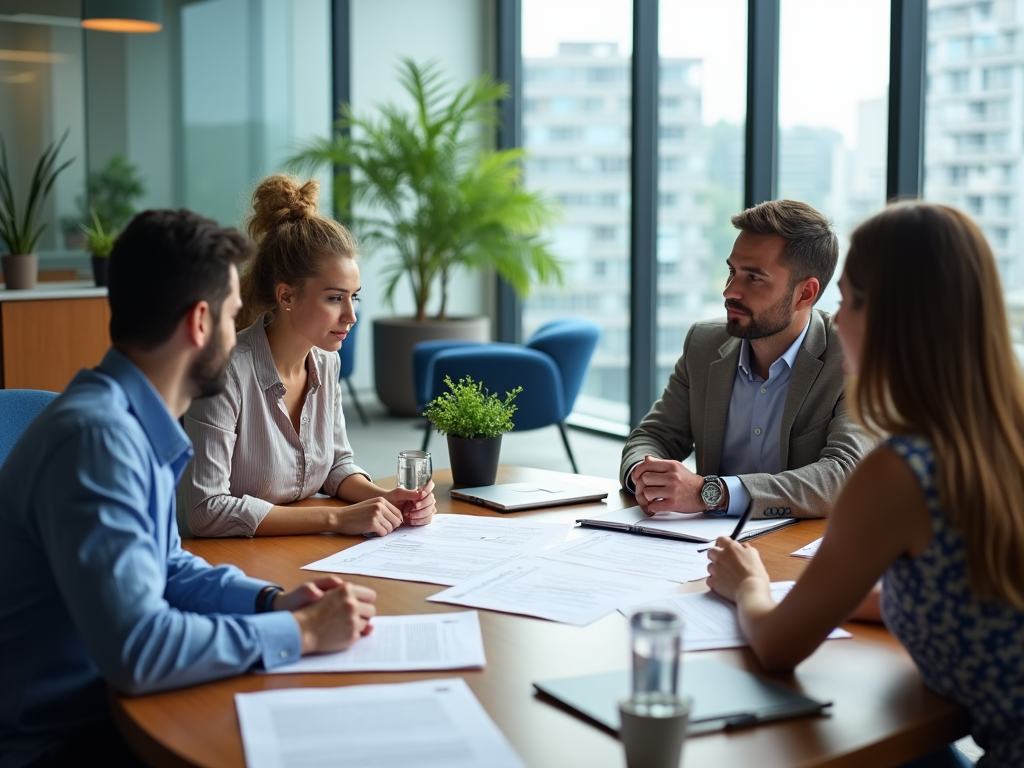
(759, 396)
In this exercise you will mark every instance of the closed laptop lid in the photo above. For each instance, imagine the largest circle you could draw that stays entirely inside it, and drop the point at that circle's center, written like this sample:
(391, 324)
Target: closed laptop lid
(509, 497)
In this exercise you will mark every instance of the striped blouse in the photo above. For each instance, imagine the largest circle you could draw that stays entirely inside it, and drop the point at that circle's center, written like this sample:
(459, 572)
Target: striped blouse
(248, 456)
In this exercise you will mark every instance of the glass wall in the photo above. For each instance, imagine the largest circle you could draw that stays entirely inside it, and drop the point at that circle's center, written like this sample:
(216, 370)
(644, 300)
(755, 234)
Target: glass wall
(974, 128)
(833, 111)
(41, 98)
(576, 129)
(702, 107)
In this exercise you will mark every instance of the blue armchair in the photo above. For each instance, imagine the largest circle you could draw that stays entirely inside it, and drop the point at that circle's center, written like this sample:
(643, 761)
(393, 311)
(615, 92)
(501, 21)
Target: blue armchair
(347, 353)
(550, 368)
(18, 407)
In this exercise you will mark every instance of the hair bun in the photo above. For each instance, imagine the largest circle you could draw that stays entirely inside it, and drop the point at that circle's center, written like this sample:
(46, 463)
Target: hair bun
(280, 199)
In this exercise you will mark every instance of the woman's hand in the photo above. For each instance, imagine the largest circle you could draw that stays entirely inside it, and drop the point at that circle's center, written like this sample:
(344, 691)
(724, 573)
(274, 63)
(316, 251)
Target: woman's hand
(735, 567)
(418, 507)
(376, 515)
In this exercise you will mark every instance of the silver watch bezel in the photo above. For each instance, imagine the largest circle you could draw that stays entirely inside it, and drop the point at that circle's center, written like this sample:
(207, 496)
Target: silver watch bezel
(714, 484)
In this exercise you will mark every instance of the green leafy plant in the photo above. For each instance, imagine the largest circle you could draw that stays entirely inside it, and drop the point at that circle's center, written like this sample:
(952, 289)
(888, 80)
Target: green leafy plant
(438, 198)
(98, 240)
(111, 193)
(468, 410)
(21, 234)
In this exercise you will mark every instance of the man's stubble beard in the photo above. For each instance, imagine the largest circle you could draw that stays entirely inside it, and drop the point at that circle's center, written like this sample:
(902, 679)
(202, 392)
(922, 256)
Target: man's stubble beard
(208, 374)
(773, 320)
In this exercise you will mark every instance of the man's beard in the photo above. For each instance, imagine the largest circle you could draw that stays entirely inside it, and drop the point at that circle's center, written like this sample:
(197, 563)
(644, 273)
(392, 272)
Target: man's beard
(773, 320)
(208, 374)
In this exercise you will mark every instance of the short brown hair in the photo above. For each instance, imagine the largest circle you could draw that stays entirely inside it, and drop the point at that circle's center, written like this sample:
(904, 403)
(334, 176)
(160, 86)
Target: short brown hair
(812, 248)
(293, 241)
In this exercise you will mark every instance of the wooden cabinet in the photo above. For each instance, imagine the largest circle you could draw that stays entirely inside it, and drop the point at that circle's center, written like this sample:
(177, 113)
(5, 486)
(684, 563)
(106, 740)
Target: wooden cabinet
(47, 336)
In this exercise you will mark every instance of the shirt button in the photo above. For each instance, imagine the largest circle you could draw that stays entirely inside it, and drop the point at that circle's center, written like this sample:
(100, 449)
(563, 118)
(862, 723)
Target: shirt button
(763, 390)
(284, 654)
(757, 431)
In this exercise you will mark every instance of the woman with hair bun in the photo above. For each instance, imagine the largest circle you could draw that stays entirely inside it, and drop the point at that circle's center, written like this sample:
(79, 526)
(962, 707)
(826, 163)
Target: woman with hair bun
(936, 511)
(276, 435)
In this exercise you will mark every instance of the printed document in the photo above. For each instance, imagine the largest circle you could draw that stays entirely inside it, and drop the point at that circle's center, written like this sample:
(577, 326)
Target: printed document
(428, 723)
(405, 644)
(661, 558)
(710, 621)
(450, 550)
(548, 589)
(809, 551)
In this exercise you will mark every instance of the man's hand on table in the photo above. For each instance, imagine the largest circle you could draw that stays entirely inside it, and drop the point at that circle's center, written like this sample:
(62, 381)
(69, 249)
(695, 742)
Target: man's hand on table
(331, 613)
(664, 485)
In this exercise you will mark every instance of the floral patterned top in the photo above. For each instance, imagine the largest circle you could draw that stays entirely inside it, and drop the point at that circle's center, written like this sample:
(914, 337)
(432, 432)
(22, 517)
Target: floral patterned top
(968, 650)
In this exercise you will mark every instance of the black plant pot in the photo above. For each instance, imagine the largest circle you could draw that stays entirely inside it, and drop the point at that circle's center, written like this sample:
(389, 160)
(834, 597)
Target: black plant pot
(100, 270)
(474, 460)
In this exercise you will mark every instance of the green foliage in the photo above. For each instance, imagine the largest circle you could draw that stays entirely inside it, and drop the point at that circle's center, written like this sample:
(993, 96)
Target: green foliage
(98, 241)
(438, 199)
(21, 236)
(111, 193)
(469, 411)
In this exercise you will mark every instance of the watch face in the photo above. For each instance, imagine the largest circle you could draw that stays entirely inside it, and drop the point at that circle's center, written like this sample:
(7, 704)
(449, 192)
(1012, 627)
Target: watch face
(711, 493)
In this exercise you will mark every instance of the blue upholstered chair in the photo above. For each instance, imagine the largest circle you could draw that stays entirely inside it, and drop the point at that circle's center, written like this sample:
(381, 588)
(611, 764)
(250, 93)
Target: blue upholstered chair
(347, 353)
(18, 407)
(550, 368)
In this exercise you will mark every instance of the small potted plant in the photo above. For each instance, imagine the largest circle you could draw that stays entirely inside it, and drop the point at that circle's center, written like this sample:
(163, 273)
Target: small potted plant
(99, 241)
(20, 231)
(474, 421)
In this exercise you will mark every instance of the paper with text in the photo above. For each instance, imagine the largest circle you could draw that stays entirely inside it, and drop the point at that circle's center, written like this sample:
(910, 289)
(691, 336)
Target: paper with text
(548, 589)
(710, 621)
(609, 550)
(418, 643)
(428, 723)
(450, 550)
(809, 551)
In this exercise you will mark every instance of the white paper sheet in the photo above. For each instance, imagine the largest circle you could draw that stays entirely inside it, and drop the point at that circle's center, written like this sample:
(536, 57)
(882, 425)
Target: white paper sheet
(809, 551)
(548, 589)
(450, 550)
(710, 621)
(417, 643)
(643, 555)
(428, 723)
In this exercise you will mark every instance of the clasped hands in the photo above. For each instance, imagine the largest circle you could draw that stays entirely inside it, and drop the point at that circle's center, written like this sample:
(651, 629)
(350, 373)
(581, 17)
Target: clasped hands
(664, 485)
(382, 514)
(331, 612)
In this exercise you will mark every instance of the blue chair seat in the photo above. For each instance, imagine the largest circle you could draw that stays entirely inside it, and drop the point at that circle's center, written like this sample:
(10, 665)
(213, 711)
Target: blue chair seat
(18, 408)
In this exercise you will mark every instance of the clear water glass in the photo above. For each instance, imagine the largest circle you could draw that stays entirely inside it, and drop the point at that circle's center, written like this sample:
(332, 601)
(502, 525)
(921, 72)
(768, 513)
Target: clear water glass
(414, 470)
(656, 641)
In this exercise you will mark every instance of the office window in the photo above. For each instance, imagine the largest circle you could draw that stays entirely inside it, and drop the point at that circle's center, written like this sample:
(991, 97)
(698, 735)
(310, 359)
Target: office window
(991, 130)
(41, 97)
(703, 51)
(569, 36)
(833, 111)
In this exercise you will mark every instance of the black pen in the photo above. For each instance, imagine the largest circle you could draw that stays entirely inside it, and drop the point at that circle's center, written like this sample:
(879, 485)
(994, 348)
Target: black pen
(744, 518)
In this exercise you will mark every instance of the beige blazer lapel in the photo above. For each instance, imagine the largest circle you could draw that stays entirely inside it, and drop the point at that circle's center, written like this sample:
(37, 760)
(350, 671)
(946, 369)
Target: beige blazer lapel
(721, 376)
(805, 370)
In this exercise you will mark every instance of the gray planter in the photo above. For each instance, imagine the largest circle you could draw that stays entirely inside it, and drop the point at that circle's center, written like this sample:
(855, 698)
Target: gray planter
(21, 271)
(393, 342)
(474, 460)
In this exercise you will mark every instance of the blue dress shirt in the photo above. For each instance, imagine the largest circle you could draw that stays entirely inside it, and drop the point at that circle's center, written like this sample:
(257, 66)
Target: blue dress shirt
(96, 585)
(753, 427)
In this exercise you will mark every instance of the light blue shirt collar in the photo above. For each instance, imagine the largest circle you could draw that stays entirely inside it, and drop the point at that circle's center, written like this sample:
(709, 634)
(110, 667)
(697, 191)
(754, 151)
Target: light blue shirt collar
(789, 356)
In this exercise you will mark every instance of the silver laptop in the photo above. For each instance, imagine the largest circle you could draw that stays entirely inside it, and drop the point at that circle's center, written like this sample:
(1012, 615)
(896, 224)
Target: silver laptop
(513, 497)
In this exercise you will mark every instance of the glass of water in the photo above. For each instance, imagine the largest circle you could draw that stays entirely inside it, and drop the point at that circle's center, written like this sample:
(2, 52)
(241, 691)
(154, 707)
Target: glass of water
(414, 470)
(656, 640)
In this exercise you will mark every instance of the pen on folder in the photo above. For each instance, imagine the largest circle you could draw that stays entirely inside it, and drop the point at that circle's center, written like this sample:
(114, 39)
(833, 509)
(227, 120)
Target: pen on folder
(744, 518)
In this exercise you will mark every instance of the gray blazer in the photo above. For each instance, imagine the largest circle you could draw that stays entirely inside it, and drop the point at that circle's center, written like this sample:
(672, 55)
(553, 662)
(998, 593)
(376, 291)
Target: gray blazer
(820, 444)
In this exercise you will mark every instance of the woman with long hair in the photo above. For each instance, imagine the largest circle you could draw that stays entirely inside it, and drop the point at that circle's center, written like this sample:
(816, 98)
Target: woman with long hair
(277, 433)
(936, 511)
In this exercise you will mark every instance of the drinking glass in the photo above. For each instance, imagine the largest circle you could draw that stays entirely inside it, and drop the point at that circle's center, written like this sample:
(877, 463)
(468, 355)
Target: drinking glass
(414, 470)
(656, 639)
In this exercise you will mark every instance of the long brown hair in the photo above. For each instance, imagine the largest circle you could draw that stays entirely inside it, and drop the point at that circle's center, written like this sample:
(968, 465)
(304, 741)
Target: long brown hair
(937, 361)
(293, 241)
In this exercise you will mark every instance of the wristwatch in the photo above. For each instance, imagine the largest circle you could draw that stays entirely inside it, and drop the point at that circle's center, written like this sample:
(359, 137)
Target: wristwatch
(712, 492)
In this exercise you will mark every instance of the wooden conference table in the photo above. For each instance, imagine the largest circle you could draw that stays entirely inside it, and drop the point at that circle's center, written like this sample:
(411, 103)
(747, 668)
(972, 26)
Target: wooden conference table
(882, 714)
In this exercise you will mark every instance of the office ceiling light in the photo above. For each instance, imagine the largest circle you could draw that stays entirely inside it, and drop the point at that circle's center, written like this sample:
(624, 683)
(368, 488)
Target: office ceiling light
(122, 15)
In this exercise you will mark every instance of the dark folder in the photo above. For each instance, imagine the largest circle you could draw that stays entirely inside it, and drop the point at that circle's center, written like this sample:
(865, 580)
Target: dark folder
(723, 697)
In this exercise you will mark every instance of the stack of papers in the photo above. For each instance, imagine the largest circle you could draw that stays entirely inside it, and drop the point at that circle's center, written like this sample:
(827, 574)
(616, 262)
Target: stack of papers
(611, 551)
(429, 724)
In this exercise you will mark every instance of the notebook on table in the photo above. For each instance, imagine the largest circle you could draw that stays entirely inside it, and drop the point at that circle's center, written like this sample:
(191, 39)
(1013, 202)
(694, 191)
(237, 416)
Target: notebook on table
(698, 527)
(512, 497)
(723, 697)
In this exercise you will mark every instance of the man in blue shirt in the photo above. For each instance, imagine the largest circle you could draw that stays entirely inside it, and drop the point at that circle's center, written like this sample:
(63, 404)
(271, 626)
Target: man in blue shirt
(98, 588)
(759, 396)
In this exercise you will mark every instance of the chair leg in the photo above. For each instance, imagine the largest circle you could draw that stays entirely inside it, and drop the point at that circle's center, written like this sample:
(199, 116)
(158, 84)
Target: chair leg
(426, 435)
(357, 404)
(568, 448)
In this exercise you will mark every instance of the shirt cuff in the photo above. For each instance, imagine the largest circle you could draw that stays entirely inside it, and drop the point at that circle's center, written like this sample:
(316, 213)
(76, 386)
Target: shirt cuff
(739, 496)
(629, 484)
(239, 596)
(280, 641)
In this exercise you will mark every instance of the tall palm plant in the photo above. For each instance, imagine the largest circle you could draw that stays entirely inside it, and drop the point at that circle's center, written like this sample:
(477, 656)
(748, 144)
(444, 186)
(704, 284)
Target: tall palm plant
(433, 193)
